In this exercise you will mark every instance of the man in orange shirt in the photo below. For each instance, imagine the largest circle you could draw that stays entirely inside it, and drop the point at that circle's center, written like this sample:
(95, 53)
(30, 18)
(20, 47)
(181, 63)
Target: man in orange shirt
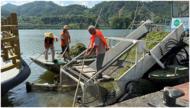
(97, 42)
(65, 41)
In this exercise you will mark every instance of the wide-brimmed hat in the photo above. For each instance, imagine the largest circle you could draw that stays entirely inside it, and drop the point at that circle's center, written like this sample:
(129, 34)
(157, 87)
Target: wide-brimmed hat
(48, 34)
(66, 27)
(91, 27)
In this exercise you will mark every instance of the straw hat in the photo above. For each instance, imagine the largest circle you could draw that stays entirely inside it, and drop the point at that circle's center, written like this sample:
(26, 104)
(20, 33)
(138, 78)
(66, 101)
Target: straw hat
(48, 34)
(66, 27)
(91, 27)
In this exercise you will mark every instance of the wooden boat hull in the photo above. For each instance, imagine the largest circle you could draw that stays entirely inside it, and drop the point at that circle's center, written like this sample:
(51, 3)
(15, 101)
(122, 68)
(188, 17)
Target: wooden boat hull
(19, 78)
(55, 67)
(49, 66)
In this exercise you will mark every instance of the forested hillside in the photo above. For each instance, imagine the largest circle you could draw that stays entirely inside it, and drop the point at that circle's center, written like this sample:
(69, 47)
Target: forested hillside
(115, 14)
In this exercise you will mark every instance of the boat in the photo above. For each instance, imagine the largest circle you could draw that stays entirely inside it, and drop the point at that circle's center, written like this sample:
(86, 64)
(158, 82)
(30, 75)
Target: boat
(49, 64)
(127, 61)
(14, 70)
(177, 59)
(54, 66)
(13, 77)
(170, 75)
(176, 63)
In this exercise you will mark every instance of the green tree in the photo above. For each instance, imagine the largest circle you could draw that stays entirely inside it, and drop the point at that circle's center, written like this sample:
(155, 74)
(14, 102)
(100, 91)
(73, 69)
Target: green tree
(119, 22)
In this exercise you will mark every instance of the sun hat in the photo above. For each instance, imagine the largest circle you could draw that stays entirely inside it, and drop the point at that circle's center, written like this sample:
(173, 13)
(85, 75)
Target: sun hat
(48, 34)
(66, 27)
(91, 27)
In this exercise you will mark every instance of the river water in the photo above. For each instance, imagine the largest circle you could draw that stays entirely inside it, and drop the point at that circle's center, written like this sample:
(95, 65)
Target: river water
(31, 43)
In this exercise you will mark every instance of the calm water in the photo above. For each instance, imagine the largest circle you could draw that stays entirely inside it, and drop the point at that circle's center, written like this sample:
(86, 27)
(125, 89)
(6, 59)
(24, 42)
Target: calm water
(31, 43)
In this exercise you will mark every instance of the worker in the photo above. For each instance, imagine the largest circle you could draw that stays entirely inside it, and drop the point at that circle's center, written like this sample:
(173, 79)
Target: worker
(98, 45)
(65, 41)
(49, 44)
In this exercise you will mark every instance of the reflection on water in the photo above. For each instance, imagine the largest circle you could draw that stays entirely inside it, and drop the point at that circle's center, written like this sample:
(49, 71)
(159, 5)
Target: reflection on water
(31, 42)
(19, 97)
(56, 99)
(6, 101)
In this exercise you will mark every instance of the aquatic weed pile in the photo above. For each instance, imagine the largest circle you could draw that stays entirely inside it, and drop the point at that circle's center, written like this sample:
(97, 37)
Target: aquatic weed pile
(151, 39)
(77, 49)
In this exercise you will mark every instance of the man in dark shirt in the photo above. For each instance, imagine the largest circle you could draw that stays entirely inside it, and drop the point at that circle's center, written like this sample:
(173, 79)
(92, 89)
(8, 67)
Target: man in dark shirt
(49, 44)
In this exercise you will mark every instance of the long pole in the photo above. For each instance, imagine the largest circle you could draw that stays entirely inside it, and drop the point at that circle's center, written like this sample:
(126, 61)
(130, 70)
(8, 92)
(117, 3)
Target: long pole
(78, 83)
(74, 100)
(98, 17)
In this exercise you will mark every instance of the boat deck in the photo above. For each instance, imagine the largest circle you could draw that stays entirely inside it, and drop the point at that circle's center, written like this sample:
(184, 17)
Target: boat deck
(41, 58)
(9, 74)
(14, 69)
(54, 66)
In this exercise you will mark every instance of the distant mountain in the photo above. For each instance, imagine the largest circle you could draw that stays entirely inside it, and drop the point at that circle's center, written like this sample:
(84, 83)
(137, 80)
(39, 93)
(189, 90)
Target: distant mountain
(113, 7)
(127, 8)
(38, 8)
(43, 8)
(114, 14)
(7, 9)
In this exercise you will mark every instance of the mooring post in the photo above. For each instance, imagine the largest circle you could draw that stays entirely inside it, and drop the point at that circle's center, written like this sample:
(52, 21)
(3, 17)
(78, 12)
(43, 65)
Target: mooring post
(170, 95)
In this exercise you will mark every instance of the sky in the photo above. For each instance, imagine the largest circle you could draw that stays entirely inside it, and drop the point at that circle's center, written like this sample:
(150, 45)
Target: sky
(88, 3)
